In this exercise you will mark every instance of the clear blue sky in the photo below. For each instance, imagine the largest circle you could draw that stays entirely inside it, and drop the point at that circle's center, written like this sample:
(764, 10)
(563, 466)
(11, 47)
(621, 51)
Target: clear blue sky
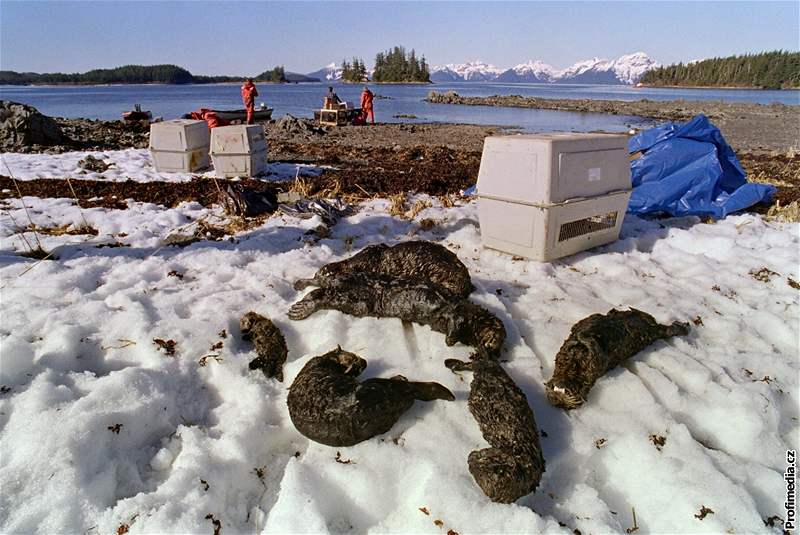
(247, 37)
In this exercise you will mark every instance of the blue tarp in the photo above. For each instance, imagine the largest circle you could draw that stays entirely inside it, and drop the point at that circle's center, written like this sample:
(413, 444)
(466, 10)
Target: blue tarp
(689, 169)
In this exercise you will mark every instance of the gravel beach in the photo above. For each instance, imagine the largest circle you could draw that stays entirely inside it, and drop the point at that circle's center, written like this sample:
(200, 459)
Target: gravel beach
(746, 126)
(438, 159)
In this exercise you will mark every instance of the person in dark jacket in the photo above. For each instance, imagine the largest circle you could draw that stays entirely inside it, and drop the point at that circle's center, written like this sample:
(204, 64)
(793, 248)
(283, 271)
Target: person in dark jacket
(332, 100)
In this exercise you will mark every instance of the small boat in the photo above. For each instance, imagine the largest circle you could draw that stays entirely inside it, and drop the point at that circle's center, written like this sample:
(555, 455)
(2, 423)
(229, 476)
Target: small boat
(260, 114)
(137, 114)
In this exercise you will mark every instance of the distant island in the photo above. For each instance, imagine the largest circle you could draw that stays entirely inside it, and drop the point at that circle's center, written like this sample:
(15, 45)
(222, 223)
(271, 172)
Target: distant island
(768, 70)
(394, 66)
(143, 74)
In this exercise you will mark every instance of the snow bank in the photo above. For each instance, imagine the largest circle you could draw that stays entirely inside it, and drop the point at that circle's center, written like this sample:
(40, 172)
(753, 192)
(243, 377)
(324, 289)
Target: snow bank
(100, 428)
(133, 164)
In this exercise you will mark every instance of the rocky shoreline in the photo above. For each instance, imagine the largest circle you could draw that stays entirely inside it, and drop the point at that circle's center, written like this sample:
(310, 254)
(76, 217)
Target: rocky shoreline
(381, 160)
(746, 126)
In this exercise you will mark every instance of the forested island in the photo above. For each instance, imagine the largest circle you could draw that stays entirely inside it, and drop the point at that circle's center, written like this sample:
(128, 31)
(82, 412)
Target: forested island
(354, 72)
(143, 74)
(393, 66)
(768, 70)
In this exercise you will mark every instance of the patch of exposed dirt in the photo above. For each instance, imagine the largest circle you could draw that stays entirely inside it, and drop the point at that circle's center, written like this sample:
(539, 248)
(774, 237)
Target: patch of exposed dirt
(385, 171)
(782, 170)
(92, 193)
(386, 159)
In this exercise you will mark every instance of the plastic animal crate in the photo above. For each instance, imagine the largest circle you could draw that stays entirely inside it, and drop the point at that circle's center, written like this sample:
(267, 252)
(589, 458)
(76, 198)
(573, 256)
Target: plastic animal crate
(180, 145)
(239, 150)
(545, 196)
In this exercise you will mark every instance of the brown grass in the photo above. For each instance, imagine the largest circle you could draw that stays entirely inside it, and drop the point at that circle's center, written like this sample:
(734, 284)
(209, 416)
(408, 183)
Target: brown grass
(301, 186)
(447, 201)
(208, 230)
(397, 206)
(782, 170)
(418, 206)
(786, 214)
(68, 230)
(39, 254)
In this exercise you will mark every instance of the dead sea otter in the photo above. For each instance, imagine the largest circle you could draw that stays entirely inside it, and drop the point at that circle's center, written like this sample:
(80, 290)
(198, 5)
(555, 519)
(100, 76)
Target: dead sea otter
(422, 260)
(417, 301)
(269, 343)
(328, 404)
(512, 467)
(597, 344)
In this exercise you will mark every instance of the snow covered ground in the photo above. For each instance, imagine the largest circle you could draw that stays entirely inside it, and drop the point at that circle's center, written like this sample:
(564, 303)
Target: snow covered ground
(101, 430)
(136, 164)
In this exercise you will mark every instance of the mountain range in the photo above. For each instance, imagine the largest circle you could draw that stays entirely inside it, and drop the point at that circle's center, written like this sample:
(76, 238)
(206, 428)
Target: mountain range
(328, 73)
(626, 69)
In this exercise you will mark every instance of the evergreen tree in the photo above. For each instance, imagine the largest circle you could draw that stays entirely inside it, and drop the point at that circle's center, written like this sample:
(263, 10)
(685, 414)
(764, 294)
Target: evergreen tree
(127, 74)
(354, 72)
(770, 70)
(395, 65)
(346, 70)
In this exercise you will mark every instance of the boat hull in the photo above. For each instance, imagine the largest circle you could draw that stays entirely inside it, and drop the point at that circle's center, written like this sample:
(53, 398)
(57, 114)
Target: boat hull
(241, 115)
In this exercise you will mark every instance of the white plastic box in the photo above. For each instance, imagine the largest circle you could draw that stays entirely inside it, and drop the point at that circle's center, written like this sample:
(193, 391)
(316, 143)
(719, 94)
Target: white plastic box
(544, 196)
(239, 150)
(180, 145)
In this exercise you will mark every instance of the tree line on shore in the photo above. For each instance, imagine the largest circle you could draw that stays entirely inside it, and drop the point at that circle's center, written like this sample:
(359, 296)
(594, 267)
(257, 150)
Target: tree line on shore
(779, 69)
(392, 66)
(142, 74)
(355, 71)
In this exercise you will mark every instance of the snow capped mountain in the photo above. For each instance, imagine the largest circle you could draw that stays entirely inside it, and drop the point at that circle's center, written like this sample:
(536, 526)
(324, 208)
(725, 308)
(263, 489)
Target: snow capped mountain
(443, 75)
(591, 71)
(581, 68)
(532, 72)
(626, 69)
(473, 71)
(329, 73)
(623, 70)
(629, 69)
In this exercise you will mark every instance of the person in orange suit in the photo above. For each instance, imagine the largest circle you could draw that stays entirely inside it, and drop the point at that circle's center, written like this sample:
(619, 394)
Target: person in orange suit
(366, 104)
(249, 94)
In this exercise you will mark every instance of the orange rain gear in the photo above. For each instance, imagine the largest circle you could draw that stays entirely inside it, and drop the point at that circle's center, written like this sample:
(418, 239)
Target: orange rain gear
(209, 117)
(249, 94)
(366, 105)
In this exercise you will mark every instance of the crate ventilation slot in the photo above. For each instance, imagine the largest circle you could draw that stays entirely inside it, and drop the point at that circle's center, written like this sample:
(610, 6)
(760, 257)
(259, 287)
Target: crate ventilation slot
(588, 225)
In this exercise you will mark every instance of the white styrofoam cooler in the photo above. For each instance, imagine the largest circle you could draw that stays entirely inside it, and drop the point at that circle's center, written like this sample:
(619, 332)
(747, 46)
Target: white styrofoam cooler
(544, 196)
(239, 150)
(180, 145)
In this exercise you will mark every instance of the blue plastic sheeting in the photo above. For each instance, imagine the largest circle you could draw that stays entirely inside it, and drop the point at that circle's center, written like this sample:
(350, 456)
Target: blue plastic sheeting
(689, 169)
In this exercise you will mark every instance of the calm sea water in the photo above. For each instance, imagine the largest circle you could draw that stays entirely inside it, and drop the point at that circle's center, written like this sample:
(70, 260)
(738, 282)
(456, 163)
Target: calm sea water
(171, 101)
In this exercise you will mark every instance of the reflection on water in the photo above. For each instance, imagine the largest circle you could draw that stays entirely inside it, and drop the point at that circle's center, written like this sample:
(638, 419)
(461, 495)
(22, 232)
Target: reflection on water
(170, 101)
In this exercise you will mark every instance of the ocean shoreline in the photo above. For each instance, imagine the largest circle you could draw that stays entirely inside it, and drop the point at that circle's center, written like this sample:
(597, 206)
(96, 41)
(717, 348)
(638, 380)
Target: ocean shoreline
(726, 87)
(746, 126)
(386, 159)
